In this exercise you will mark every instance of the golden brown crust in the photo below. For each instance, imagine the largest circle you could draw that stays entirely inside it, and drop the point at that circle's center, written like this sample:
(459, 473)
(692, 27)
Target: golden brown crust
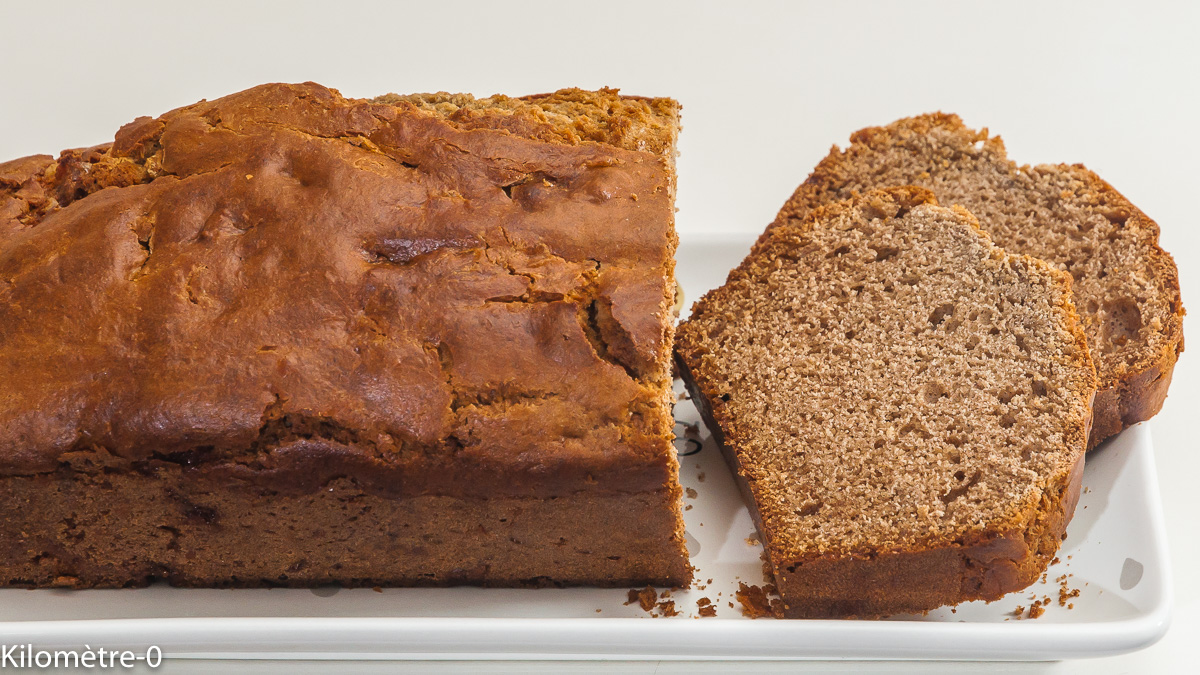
(284, 287)
(939, 152)
(568, 116)
(883, 578)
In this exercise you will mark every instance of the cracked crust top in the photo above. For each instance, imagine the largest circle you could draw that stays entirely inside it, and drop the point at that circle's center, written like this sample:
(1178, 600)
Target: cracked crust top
(285, 279)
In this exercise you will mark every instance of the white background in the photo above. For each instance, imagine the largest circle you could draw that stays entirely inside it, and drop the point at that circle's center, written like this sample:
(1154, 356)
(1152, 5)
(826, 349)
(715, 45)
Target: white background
(766, 89)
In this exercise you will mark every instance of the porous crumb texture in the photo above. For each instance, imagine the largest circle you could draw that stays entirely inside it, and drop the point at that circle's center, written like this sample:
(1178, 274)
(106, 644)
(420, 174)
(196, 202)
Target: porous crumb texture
(886, 382)
(1126, 288)
(427, 296)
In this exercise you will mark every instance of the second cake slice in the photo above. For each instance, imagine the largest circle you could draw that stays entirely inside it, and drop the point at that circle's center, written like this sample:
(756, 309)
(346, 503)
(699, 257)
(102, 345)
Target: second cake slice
(1125, 286)
(905, 405)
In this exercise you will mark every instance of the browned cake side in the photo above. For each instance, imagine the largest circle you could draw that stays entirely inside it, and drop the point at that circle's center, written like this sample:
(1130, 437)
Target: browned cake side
(286, 337)
(905, 405)
(1126, 287)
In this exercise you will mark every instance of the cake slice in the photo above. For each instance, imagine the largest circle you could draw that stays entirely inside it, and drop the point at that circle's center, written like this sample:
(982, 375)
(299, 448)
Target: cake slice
(286, 337)
(1126, 287)
(904, 404)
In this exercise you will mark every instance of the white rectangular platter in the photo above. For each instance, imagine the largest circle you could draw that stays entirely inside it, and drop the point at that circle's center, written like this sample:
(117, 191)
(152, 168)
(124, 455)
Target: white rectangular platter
(1115, 554)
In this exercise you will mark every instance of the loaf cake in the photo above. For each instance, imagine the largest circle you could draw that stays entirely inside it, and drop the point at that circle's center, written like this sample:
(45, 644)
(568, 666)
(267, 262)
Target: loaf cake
(1126, 287)
(290, 338)
(904, 404)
